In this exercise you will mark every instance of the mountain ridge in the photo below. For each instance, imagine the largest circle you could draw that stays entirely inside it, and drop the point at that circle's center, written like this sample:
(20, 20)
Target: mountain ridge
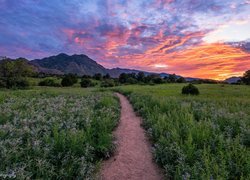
(81, 64)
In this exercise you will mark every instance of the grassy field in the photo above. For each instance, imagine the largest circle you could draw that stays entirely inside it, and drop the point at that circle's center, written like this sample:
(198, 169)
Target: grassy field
(197, 137)
(64, 133)
(55, 133)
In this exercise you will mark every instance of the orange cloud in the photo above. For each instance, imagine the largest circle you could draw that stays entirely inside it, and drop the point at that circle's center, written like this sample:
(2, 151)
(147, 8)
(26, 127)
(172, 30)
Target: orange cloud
(216, 61)
(170, 54)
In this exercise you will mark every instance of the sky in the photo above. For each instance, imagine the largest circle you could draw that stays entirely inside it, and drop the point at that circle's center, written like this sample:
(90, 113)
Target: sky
(185, 37)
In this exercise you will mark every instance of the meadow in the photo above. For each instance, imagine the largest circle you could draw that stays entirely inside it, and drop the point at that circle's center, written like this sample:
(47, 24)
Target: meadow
(55, 133)
(65, 133)
(196, 137)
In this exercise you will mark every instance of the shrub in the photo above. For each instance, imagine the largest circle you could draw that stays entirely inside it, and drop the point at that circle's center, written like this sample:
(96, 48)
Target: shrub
(107, 76)
(98, 76)
(190, 89)
(49, 82)
(2, 83)
(157, 80)
(22, 83)
(108, 83)
(69, 80)
(181, 80)
(131, 80)
(16, 83)
(87, 83)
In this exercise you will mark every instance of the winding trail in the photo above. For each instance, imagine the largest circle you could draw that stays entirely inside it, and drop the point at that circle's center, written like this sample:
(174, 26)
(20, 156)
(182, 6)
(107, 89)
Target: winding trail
(133, 158)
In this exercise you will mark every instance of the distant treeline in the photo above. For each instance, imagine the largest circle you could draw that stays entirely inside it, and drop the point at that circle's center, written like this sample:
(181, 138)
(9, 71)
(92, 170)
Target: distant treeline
(14, 74)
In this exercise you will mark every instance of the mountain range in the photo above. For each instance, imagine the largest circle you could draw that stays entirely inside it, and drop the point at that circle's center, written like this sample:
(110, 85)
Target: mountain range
(83, 65)
(64, 64)
(232, 80)
(78, 64)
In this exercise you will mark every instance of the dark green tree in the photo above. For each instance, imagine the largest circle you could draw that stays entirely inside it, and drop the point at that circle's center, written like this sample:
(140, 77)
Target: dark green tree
(87, 83)
(123, 78)
(98, 76)
(49, 82)
(107, 76)
(131, 80)
(69, 80)
(171, 78)
(246, 77)
(181, 80)
(140, 76)
(108, 83)
(157, 80)
(86, 76)
(190, 89)
(13, 73)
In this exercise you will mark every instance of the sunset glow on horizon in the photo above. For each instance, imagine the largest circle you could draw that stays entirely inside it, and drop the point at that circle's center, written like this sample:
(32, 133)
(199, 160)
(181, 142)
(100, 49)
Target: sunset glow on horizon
(192, 38)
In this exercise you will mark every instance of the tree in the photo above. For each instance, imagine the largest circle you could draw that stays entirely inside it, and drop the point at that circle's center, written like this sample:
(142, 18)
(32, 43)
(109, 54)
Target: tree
(171, 78)
(157, 80)
(181, 80)
(69, 80)
(22, 68)
(131, 80)
(87, 83)
(107, 76)
(98, 76)
(49, 82)
(108, 83)
(13, 73)
(15, 68)
(246, 77)
(153, 78)
(2, 83)
(123, 78)
(140, 76)
(190, 89)
(86, 76)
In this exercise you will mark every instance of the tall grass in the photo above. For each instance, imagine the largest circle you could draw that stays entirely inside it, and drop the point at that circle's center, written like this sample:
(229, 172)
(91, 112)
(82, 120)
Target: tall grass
(205, 137)
(54, 135)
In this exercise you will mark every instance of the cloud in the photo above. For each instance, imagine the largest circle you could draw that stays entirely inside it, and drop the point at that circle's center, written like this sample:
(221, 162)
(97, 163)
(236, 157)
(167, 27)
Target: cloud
(128, 33)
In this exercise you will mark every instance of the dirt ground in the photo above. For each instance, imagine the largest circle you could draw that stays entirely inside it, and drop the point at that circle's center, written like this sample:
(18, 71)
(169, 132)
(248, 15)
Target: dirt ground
(133, 158)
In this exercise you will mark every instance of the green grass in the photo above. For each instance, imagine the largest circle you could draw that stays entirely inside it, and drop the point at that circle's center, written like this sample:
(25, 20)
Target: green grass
(197, 137)
(55, 133)
(64, 133)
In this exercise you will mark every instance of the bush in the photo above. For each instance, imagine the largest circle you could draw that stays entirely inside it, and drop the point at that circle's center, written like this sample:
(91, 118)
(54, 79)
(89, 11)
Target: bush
(131, 80)
(15, 83)
(190, 89)
(98, 76)
(181, 80)
(49, 82)
(108, 83)
(2, 83)
(157, 80)
(22, 83)
(87, 83)
(69, 80)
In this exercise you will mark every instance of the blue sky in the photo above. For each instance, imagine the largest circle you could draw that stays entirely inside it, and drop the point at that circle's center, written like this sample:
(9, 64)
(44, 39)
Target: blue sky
(147, 34)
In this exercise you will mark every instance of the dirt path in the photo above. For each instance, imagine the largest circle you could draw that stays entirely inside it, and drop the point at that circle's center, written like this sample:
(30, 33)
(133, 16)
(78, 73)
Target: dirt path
(133, 158)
